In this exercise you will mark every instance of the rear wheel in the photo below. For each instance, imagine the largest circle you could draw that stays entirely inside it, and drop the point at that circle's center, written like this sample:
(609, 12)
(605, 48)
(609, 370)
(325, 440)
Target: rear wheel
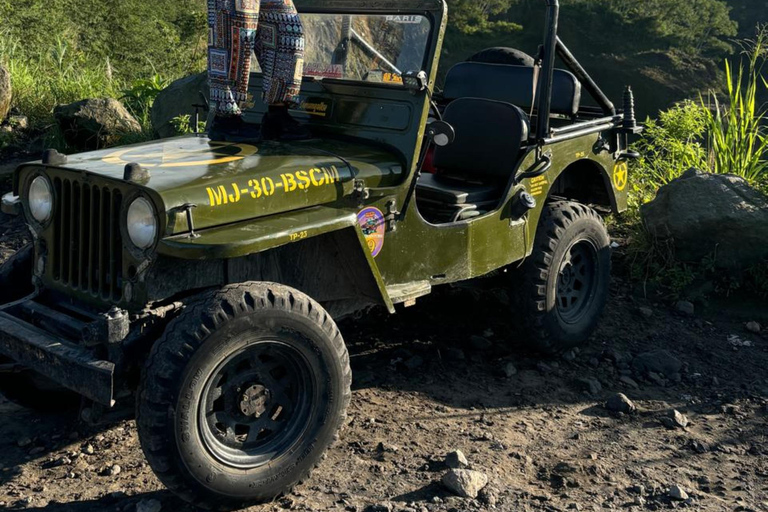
(566, 279)
(243, 395)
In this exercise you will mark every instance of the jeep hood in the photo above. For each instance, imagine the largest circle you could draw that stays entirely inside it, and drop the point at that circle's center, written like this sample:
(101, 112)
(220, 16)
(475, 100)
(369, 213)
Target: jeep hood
(230, 182)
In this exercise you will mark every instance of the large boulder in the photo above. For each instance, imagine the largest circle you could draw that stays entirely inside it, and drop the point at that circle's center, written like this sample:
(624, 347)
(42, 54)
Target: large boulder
(177, 100)
(711, 214)
(5, 93)
(95, 123)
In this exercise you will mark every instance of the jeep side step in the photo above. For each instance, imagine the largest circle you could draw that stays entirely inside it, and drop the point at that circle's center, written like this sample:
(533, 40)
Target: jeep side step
(408, 292)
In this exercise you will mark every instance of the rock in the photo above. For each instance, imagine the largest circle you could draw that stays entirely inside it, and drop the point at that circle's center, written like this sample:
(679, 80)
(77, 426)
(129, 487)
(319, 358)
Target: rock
(5, 92)
(95, 123)
(685, 307)
(150, 505)
(510, 370)
(61, 461)
(465, 482)
(378, 507)
(657, 361)
(754, 327)
(387, 448)
(113, 470)
(678, 493)
(88, 449)
(24, 442)
(479, 343)
(544, 368)
(620, 403)
(454, 354)
(570, 355)
(177, 100)
(20, 123)
(456, 460)
(414, 362)
(629, 382)
(705, 213)
(646, 312)
(488, 496)
(675, 419)
(590, 385)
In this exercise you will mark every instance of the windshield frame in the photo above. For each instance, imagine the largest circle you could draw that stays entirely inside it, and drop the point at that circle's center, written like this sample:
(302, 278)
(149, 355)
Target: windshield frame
(433, 10)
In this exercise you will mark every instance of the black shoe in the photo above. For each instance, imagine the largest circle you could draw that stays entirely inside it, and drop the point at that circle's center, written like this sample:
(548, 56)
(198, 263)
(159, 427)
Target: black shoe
(233, 129)
(278, 124)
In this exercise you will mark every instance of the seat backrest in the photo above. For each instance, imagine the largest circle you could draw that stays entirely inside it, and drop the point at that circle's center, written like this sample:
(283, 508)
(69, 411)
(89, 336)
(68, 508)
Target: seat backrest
(510, 84)
(489, 135)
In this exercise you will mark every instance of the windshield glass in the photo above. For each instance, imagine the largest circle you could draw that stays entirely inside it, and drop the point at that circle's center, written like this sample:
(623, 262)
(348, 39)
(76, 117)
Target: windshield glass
(371, 48)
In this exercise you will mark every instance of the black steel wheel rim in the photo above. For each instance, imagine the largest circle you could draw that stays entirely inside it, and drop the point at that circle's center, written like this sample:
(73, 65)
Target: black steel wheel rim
(256, 404)
(577, 281)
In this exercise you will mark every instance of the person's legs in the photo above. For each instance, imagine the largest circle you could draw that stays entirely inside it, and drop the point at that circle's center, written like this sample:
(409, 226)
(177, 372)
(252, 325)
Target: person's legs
(232, 28)
(280, 52)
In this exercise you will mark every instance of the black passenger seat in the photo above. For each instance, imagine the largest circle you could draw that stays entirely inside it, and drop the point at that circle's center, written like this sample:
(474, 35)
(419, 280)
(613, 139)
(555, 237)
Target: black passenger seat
(476, 167)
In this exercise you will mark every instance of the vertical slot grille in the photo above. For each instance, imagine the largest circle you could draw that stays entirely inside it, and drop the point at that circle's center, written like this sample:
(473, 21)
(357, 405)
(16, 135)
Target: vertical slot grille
(87, 250)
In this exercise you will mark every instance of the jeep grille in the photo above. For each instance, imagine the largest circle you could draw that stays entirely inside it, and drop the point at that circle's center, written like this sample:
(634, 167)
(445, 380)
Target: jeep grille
(87, 250)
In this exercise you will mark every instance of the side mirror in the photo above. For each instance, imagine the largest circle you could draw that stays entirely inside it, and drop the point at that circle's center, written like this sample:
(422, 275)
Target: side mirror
(441, 133)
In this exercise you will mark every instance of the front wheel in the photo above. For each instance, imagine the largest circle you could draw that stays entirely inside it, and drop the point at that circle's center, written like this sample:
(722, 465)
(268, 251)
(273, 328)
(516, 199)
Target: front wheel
(566, 279)
(242, 395)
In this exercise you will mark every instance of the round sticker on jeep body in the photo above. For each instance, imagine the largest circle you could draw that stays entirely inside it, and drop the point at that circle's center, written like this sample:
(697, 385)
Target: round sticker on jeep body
(371, 222)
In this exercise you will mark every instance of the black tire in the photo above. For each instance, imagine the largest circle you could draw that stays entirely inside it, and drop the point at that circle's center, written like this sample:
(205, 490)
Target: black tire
(33, 391)
(16, 275)
(566, 279)
(502, 55)
(214, 379)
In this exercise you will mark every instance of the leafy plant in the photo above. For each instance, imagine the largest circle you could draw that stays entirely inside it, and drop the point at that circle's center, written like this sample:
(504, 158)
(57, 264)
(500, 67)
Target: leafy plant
(670, 145)
(184, 125)
(737, 137)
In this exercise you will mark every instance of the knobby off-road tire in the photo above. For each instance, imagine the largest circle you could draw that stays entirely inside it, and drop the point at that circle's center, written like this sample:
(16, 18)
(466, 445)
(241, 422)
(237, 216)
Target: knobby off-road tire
(16, 275)
(566, 279)
(28, 389)
(242, 395)
(31, 390)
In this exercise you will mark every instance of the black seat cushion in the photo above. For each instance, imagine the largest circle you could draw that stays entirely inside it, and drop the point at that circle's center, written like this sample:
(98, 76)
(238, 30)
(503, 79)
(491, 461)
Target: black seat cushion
(489, 135)
(447, 190)
(510, 84)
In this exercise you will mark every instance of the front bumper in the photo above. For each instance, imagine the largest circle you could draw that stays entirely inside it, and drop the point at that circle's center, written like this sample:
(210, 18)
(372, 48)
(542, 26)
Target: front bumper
(73, 366)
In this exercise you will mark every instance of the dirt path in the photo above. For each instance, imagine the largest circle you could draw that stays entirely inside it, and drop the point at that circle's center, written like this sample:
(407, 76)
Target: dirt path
(449, 374)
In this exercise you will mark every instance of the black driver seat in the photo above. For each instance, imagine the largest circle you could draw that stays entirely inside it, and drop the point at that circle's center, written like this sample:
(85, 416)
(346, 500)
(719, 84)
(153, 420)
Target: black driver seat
(476, 167)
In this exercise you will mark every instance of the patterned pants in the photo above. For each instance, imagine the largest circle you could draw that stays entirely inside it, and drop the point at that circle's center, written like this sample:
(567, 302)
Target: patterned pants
(271, 29)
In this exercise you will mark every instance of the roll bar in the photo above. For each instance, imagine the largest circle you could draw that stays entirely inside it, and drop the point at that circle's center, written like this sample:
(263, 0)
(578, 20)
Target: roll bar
(554, 46)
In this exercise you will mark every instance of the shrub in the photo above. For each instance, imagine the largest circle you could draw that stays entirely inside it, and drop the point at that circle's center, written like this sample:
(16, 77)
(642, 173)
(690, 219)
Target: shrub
(737, 138)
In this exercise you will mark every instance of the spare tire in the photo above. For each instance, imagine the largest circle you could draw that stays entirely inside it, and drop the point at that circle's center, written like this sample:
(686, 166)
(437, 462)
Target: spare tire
(502, 55)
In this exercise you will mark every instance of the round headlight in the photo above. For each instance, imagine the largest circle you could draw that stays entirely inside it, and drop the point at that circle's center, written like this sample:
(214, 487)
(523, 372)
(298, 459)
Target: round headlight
(142, 223)
(40, 199)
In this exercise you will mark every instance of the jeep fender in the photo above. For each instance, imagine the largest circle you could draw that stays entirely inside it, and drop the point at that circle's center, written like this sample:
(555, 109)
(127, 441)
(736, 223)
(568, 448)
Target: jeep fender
(271, 248)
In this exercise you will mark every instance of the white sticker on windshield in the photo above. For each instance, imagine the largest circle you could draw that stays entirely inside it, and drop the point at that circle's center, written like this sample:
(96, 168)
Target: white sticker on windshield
(405, 18)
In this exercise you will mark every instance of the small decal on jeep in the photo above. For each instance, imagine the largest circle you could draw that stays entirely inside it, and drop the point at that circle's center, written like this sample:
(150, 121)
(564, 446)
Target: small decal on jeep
(371, 222)
(620, 175)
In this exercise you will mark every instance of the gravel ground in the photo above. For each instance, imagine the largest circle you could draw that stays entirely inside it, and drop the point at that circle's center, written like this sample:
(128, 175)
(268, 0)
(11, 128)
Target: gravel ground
(449, 374)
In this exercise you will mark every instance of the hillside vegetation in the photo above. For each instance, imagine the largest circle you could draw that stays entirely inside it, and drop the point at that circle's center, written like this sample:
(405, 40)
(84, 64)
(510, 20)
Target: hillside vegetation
(60, 51)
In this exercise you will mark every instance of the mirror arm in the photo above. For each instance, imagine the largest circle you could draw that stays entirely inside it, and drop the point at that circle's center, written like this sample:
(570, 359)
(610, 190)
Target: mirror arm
(541, 166)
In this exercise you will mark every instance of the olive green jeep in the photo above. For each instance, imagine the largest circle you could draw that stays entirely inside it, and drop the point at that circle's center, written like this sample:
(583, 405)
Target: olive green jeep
(203, 278)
